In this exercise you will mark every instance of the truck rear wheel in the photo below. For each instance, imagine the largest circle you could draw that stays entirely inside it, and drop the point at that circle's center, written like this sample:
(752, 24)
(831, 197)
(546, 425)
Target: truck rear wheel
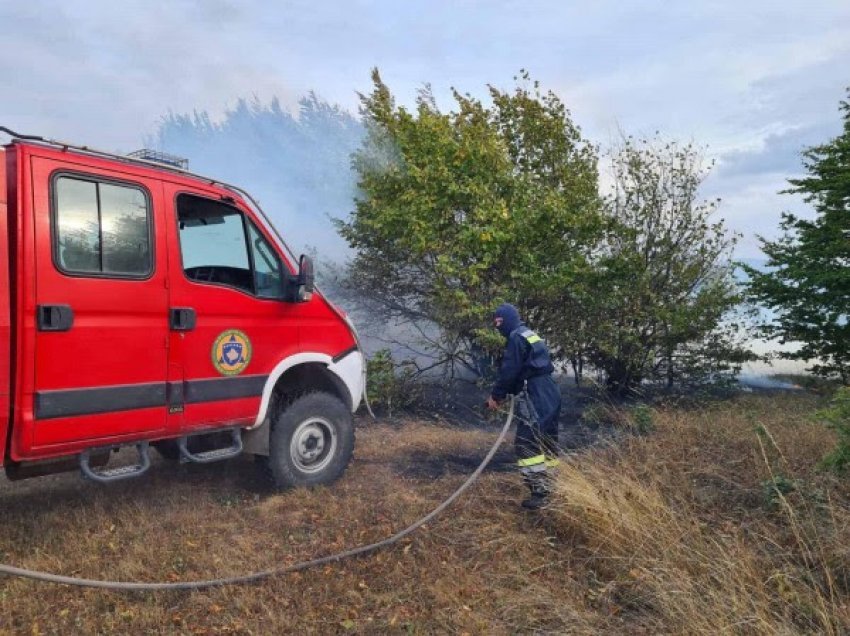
(311, 441)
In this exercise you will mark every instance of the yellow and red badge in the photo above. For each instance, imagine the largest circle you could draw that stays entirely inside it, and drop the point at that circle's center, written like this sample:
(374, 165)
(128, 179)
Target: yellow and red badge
(231, 352)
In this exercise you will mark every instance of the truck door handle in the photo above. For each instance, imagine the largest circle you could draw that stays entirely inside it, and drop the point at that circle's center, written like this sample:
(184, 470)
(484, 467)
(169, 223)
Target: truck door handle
(54, 317)
(182, 318)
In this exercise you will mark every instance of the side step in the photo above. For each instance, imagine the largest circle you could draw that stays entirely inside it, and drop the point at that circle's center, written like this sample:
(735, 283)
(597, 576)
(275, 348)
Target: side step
(215, 455)
(108, 475)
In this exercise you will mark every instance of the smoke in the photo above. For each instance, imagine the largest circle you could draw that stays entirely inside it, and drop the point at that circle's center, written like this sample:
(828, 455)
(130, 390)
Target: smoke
(766, 382)
(297, 165)
(299, 168)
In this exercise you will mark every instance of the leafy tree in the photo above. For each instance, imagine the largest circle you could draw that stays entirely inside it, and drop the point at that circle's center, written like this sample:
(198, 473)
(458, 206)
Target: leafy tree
(807, 278)
(460, 210)
(664, 281)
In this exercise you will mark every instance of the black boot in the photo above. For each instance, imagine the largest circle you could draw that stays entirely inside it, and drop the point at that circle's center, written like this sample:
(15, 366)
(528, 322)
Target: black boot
(536, 501)
(539, 488)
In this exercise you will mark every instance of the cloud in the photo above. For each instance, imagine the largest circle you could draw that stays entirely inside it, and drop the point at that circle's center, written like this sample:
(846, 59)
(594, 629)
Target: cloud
(103, 74)
(778, 154)
(793, 110)
(755, 81)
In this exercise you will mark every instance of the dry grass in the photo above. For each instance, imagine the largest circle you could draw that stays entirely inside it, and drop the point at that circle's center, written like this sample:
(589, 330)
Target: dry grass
(664, 533)
(688, 532)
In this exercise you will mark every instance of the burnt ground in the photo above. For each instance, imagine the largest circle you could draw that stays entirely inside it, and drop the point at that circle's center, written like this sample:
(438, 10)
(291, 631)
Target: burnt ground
(460, 404)
(457, 405)
(454, 405)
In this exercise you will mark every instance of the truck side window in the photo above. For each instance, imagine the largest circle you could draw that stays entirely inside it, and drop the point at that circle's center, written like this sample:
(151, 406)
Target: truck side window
(101, 228)
(213, 243)
(267, 266)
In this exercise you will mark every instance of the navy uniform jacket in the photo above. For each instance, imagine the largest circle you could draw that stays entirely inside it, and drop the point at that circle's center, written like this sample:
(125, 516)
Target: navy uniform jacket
(526, 356)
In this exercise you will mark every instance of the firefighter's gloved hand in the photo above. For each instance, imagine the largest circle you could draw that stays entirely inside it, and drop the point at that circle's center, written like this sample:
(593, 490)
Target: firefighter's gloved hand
(493, 404)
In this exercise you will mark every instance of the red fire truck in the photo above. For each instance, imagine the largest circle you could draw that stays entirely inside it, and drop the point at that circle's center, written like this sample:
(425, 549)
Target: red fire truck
(142, 305)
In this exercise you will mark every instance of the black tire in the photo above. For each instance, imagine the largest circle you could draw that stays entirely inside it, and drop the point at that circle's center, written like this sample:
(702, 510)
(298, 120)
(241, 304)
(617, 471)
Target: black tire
(311, 441)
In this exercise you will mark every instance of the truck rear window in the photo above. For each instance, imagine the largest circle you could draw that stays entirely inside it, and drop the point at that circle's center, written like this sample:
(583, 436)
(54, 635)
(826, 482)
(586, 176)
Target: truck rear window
(101, 228)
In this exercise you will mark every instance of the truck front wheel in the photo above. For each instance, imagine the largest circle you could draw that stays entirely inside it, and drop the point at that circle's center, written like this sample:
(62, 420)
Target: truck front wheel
(311, 441)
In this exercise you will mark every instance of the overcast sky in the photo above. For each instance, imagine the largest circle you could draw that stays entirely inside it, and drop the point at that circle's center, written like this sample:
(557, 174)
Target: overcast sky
(754, 81)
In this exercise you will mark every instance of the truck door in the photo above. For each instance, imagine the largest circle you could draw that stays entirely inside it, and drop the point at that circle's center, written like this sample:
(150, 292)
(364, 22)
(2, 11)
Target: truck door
(101, 296)
(231, 325)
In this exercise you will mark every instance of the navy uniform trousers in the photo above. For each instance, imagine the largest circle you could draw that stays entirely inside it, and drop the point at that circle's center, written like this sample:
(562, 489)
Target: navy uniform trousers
(536, 441)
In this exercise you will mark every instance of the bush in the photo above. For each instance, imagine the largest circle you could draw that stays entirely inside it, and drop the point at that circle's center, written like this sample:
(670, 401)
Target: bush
(815, 383)
(391, 385)
(637, 418)
(642, 419)
(604, 414)
(775, 488)
(837, 417)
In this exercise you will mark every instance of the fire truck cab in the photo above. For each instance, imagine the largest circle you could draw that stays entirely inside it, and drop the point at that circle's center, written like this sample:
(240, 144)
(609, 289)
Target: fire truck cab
(141, 305)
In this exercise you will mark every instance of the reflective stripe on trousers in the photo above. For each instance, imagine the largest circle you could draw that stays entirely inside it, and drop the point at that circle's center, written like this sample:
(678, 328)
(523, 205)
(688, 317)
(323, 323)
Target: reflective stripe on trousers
(537, 464)
(531, 441)
(532, 465)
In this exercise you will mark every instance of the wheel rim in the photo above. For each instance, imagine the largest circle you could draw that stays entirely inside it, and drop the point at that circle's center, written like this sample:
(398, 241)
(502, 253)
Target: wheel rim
(313, 444)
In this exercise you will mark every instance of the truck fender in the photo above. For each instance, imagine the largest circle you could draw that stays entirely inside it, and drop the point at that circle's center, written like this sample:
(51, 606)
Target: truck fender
(348, 369)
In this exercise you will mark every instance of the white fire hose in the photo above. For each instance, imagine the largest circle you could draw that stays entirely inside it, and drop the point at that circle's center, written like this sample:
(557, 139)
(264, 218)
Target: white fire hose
(123, 586)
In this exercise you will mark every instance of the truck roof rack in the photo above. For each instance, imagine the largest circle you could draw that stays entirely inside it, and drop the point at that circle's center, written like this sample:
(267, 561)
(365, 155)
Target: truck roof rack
(164, 161)
(160, 157)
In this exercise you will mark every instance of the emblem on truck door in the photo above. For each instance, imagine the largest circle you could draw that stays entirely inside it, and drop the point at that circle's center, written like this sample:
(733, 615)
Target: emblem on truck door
(231, 352)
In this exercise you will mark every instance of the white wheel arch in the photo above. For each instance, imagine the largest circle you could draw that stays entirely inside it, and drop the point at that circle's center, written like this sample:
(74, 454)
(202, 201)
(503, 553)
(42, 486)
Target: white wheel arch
(349, 369)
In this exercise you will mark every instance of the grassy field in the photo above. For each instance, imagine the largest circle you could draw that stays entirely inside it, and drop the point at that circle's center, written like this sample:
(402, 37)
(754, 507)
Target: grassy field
(716, 521)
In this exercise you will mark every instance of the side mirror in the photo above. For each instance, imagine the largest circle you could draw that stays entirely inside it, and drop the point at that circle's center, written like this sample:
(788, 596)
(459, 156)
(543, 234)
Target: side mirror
(302, 285)
(306, 277)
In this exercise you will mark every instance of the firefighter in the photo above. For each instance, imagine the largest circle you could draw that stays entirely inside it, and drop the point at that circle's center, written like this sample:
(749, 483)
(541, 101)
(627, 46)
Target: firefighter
(526, 371)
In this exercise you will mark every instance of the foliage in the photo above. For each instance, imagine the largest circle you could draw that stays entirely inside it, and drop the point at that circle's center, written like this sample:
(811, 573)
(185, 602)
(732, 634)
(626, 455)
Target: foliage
(807, 280)
(461, 210)
(642, 418)
(708, 559)
(637, 418)
(663, 288)
(776, 487)
(594, 415)
(837, 417)
(811, 383)
(678, 543)
(390, 385)
(714, 360)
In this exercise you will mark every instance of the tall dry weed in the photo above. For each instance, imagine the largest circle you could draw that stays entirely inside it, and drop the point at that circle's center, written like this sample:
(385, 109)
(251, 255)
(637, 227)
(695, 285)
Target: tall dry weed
(683, 563)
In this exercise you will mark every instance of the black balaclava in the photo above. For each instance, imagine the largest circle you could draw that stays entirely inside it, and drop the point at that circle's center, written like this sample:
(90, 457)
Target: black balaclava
(510, 318)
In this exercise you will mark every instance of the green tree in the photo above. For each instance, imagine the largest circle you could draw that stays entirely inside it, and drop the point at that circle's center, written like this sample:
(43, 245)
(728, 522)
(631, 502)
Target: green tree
(807, 278)
(460, 210)
(664, 281)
